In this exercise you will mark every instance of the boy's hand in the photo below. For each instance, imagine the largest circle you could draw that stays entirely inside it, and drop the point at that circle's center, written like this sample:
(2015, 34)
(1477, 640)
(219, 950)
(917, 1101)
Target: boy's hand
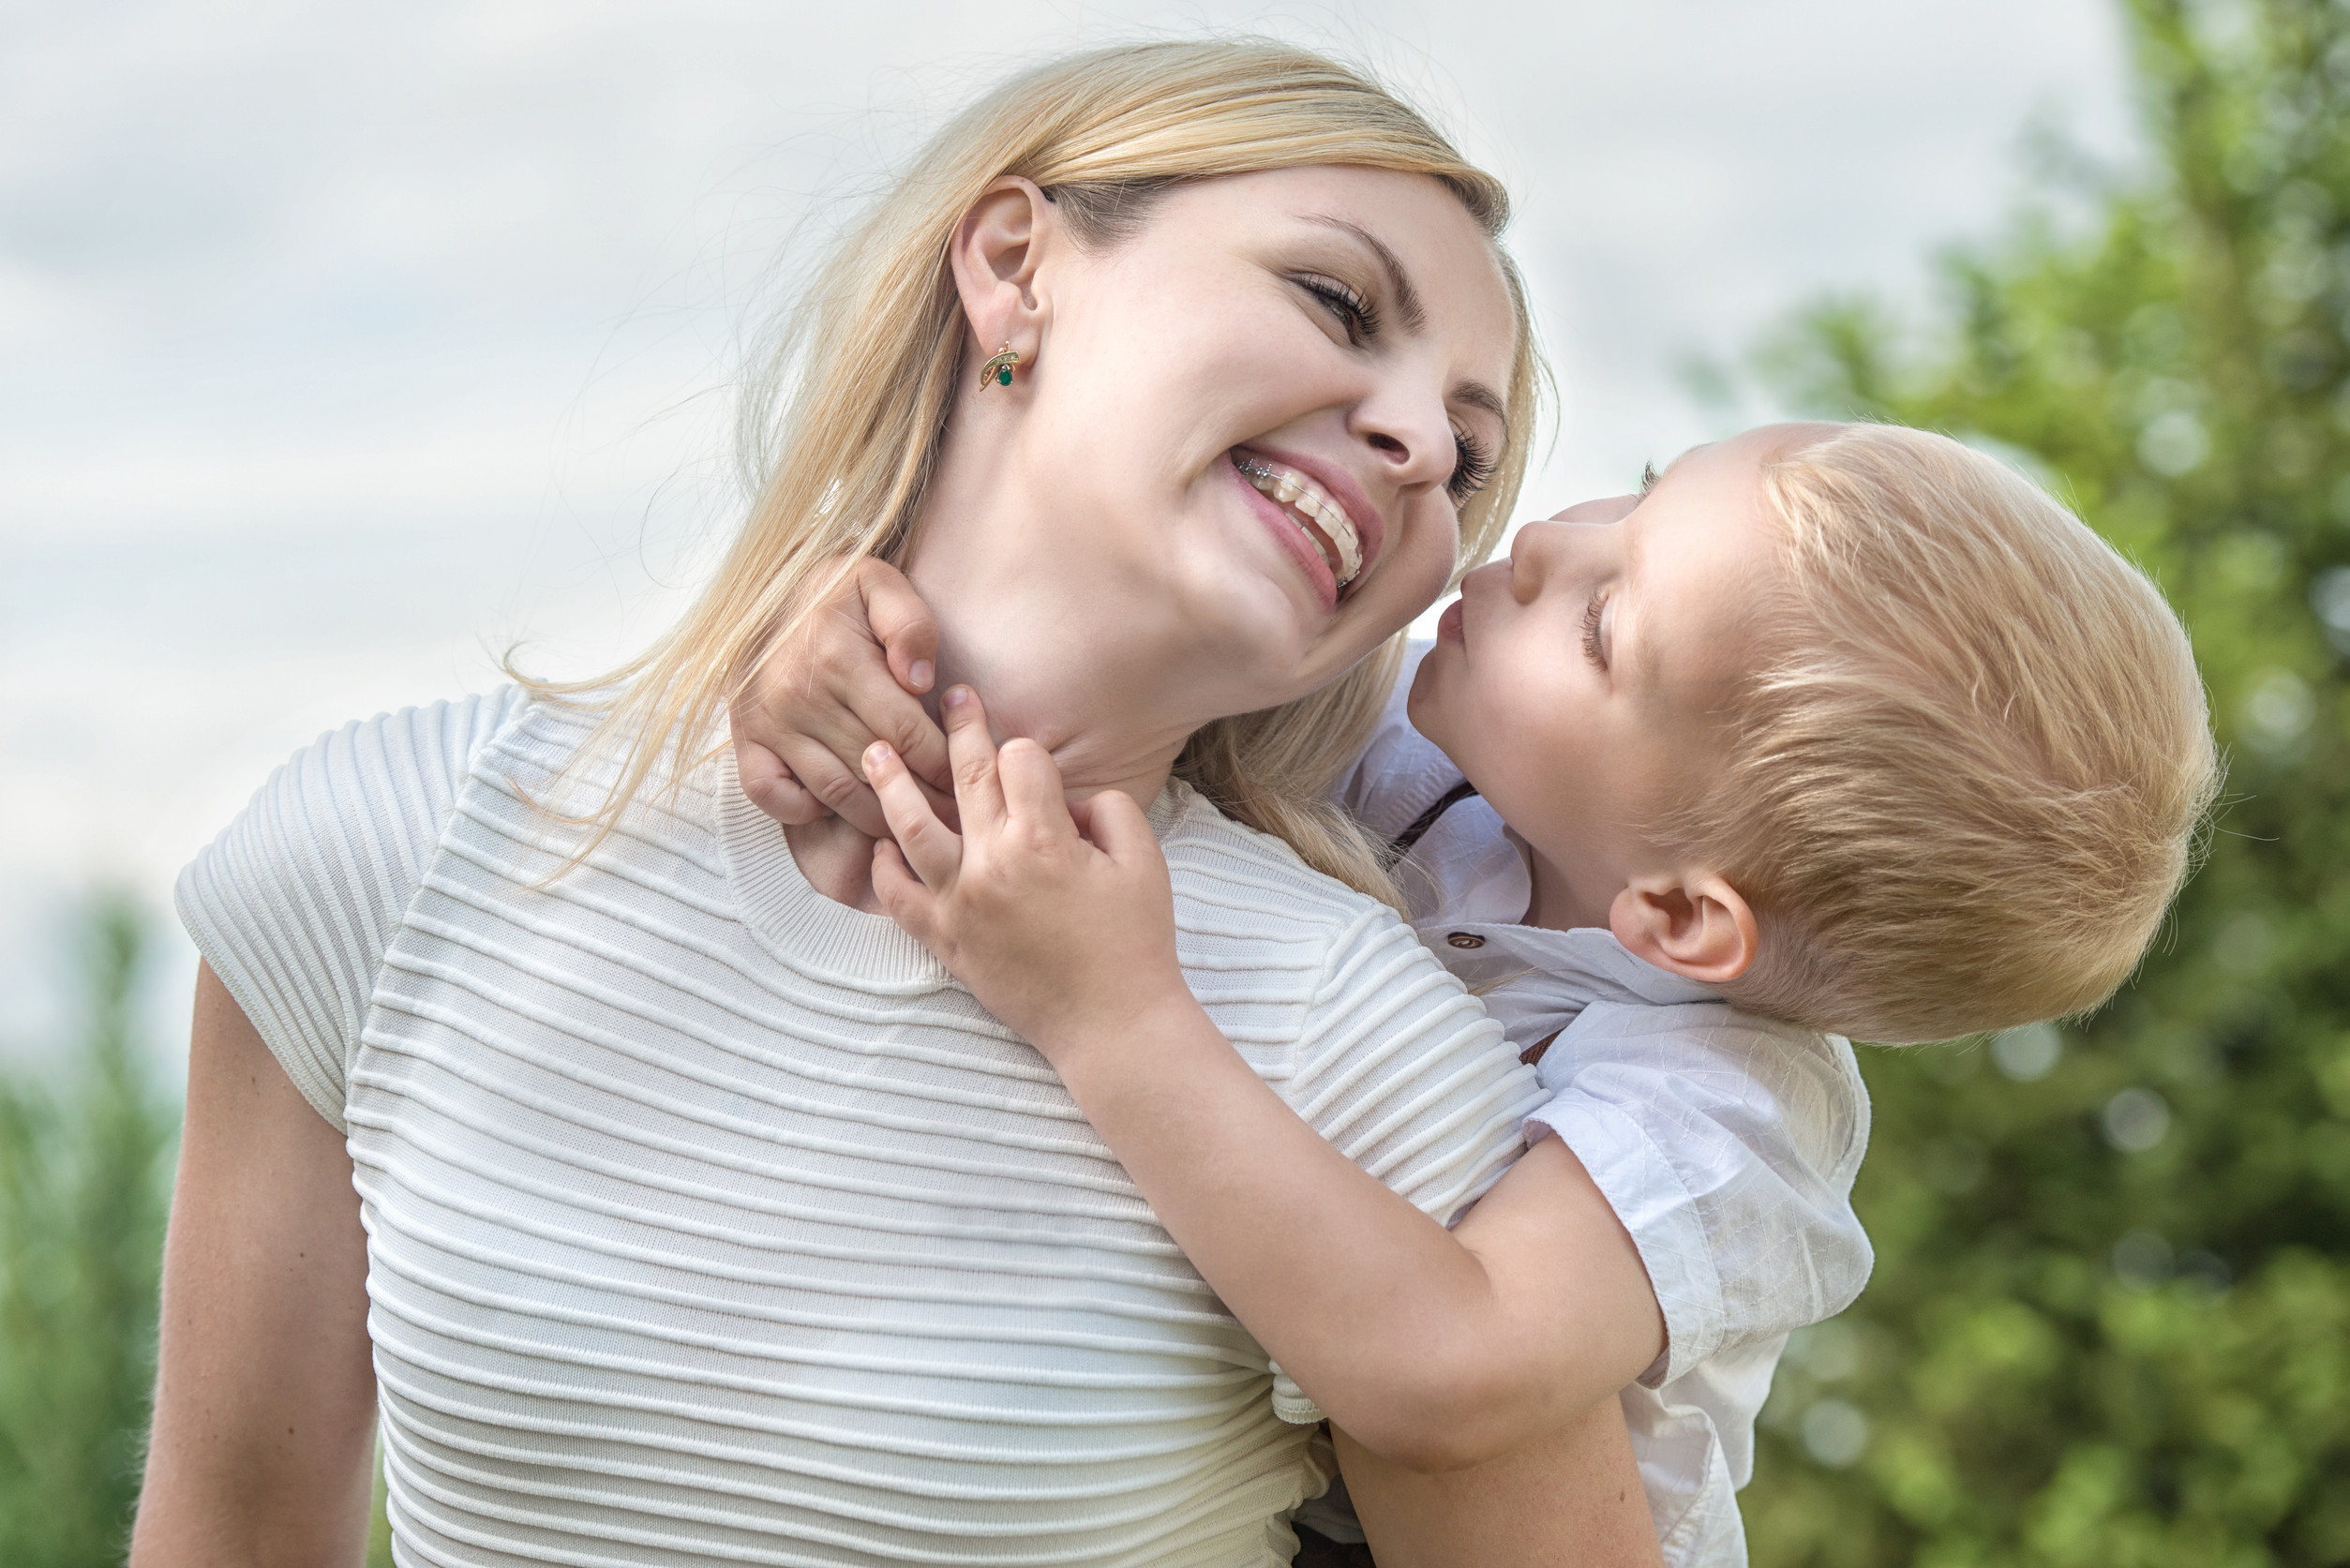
(852, 674)
(1065, 935)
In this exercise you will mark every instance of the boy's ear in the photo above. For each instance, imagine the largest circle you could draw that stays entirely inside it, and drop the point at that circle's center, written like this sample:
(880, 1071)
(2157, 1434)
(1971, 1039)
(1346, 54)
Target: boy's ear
(1692, 923)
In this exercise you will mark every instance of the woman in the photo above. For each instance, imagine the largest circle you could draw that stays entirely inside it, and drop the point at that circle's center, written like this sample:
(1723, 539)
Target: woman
(685, 1208)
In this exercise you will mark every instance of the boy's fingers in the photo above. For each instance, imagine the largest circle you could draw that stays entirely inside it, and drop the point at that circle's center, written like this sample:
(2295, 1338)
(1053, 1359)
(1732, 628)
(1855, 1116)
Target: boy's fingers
(900, 891)
(978, 792)
(934, 853)
(771, 787)
(830, 780)
(1032, 786)
(883, 713)
(1119, 827)
(902, 623)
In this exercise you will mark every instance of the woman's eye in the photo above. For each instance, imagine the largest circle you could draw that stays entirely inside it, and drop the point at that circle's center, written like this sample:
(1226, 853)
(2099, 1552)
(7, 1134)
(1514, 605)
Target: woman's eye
(1355, 313)
(1592, 612)
(1471, 466)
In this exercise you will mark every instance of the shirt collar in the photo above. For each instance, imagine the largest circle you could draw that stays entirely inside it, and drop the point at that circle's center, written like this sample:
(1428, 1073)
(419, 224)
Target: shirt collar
(1468, 884)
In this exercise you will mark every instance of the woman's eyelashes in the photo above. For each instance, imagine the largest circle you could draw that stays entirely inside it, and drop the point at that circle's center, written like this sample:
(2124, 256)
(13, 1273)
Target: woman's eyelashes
(1591, 649)
(1471, 466)
(1356, 310)
(1358, 313)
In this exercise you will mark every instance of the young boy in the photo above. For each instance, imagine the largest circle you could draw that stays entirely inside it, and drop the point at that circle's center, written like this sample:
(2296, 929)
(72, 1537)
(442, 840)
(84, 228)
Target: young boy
(1835, 731)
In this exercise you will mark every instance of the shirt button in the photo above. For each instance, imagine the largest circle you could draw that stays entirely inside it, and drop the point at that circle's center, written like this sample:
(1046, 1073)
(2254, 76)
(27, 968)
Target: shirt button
(1465, 939)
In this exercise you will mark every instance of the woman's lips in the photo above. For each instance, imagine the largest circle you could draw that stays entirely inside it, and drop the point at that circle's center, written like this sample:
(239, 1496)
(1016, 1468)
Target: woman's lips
(1293, 539)
(1448, 628)
(1314, 509)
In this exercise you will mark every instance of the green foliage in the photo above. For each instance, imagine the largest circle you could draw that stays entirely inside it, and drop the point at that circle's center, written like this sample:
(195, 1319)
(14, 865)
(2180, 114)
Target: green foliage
(83, 1191)
(2111, 1319)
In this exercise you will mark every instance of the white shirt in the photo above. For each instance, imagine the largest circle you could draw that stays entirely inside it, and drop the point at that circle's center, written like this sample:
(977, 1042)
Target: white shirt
(710, 1220)
(1727, 1144)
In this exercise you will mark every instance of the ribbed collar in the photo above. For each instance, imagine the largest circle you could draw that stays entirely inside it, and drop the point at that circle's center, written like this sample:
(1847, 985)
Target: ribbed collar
(821, 937)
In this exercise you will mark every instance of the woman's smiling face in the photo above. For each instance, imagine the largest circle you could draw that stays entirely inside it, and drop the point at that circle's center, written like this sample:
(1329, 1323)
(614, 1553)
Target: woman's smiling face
(1254, 419)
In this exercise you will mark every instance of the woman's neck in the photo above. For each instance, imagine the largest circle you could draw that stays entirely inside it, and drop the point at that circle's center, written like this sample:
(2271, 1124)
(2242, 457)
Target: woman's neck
(1074, 660)
(1034, 645)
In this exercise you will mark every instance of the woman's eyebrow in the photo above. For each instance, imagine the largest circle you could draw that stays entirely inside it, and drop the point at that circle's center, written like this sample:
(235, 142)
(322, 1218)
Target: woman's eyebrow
(1476, 395)
(1398, 281)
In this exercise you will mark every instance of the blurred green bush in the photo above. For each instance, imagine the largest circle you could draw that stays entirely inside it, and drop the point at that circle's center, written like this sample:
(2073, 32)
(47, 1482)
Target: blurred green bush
(2111, 1319)
(84, 1174)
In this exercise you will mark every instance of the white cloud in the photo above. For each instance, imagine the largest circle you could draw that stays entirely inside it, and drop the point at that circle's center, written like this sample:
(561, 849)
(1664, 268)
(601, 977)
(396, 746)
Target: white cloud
(346, 342)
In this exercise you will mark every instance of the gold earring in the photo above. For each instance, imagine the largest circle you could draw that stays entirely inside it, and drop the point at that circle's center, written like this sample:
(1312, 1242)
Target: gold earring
(998, 369)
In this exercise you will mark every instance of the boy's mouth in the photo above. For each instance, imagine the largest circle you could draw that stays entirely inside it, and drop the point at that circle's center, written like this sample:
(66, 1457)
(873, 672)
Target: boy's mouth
(1322, 519)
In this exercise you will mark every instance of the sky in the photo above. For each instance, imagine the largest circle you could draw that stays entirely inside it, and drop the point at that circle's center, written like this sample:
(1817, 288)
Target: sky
(344, 347)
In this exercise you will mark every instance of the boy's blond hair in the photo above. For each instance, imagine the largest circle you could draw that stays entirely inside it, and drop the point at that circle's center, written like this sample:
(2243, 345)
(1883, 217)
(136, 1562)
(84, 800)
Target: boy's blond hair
(1968, 769)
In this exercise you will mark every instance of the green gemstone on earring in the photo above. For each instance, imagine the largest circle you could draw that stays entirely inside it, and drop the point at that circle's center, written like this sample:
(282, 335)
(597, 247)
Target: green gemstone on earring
(1003, 375)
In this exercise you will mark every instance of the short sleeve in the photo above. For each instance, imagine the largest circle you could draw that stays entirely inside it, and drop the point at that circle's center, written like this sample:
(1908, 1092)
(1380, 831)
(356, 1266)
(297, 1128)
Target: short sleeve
(294, 906)
(1728, 1147)
(1402, 1071)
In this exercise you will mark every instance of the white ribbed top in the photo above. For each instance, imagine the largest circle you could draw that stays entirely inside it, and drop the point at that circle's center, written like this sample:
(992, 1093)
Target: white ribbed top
(708, 1219)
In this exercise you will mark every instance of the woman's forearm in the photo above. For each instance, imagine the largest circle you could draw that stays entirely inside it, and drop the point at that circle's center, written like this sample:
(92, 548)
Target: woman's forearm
(1434, 1349)
(1571, 1498)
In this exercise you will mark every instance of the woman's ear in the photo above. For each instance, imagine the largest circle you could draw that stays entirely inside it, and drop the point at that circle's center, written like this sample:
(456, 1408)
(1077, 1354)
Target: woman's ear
(997, 251)
(1693, 924)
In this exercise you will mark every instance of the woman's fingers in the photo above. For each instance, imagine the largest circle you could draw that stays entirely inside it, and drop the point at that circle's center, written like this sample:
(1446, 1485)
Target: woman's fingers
(934, 853)
(978, 792)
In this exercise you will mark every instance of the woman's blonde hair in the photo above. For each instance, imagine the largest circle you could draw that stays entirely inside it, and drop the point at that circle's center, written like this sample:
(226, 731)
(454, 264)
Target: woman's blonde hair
(845, 431)
(1969, 766)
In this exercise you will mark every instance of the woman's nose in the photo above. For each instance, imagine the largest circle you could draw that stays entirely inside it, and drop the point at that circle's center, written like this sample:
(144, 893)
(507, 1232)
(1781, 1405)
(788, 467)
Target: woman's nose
(1409, 434)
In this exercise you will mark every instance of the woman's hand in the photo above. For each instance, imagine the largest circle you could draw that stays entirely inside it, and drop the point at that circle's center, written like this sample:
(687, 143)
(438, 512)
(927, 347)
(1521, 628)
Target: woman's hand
(1062, 924)
(853, 673)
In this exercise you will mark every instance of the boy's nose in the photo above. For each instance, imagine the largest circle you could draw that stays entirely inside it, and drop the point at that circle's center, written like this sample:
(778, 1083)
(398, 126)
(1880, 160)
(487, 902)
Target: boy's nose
(1531, 557)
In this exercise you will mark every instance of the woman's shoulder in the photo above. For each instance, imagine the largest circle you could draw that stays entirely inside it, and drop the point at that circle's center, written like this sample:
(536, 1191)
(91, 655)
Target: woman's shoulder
(401, 770)
(1331, 996)
(295, 904)
(1215, 860)
(1245, 902)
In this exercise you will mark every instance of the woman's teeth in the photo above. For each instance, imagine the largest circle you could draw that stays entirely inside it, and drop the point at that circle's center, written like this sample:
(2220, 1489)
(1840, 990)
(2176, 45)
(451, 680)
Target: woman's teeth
(1324, 520)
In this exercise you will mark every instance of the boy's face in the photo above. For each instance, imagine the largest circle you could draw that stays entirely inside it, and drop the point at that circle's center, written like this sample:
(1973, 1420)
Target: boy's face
(1571, 683)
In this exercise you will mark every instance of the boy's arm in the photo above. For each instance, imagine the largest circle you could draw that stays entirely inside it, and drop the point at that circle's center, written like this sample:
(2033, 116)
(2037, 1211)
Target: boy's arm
(1434, 1349)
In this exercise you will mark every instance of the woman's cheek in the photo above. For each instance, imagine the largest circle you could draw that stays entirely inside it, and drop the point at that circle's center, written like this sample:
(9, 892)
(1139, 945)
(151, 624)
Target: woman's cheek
(1432, 548)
